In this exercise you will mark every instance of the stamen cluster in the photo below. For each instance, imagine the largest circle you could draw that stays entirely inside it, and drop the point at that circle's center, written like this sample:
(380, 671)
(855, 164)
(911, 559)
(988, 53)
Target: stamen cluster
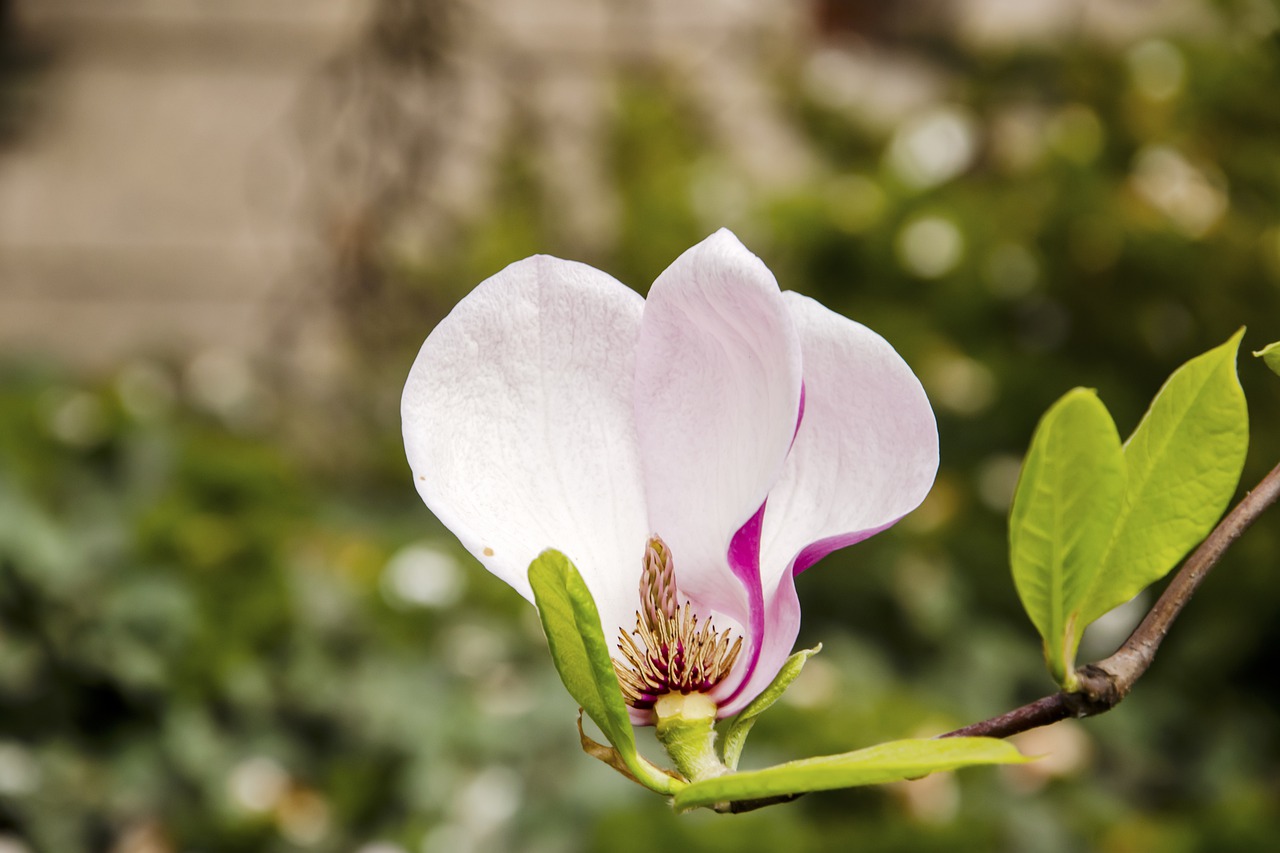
(674, 654)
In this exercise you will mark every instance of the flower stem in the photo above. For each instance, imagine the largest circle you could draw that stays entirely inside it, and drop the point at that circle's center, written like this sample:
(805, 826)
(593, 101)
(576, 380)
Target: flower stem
(685, 728)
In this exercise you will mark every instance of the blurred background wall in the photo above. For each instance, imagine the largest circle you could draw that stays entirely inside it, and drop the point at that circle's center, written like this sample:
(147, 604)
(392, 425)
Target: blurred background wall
(226, 622)
(150, 182)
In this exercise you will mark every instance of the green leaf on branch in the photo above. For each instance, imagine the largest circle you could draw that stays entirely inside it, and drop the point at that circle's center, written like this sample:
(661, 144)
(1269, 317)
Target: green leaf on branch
(740, 726)
(1270, 354)
(886, 762)
(1184, 462)
(581, 654)
(1064, 510)
(1092, 523)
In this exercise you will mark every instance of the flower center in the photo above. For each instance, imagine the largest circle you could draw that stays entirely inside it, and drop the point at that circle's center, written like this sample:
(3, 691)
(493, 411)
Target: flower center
(670, 653)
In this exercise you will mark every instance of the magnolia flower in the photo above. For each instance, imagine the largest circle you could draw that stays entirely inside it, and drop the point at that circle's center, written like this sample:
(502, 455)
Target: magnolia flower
(691, 453)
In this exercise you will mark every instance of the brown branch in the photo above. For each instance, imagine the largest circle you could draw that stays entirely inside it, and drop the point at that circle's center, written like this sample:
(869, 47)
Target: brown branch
(1104, 684)
(743, 806)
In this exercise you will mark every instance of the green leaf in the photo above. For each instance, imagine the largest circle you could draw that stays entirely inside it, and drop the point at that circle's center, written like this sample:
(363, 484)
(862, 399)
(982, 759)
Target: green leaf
(740, 726)
(1270, 354)
(581, 654)
(1064, 510)
(886, 762)
(1092, 524)
(1184, 462)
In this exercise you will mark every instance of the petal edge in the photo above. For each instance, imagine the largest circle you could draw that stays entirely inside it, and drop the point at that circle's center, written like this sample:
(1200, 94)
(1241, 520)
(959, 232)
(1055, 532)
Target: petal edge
(518, 426)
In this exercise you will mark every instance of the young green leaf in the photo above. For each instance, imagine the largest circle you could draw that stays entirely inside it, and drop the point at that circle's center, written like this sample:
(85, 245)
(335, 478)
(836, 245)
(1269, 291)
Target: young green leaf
(1270, 354)
(1071, 488)
(1184, 462)
(886, 762)
(740, 726)
(581, 654)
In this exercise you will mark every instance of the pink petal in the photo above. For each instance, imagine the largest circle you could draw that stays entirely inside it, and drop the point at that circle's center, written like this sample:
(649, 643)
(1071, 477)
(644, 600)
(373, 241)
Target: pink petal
(717, 397)
(773, 646)
(744, 562)
(518, 427)
(866, 452)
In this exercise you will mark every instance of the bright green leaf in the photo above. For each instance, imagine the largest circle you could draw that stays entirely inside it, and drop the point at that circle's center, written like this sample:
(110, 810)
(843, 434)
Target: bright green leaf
(1270, 354)
(740, 726)
(886, 762)
(1064, 510)
(581, 654)
(1184, 462)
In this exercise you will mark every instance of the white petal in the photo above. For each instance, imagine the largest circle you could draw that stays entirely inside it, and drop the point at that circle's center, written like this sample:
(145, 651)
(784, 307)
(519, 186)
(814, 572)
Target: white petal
(717, 397)
(518, 427)
(867, 449)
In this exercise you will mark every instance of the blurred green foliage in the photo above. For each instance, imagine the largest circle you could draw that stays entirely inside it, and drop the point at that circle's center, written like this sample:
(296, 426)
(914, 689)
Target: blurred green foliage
(236, 628)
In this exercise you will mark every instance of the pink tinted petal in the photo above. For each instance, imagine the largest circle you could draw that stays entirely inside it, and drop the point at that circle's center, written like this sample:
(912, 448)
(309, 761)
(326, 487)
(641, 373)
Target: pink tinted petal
(771, 648)
(518, 426)
(744, 562)
(866, 452)
(717, 398)
(642, 718)
(815, 551)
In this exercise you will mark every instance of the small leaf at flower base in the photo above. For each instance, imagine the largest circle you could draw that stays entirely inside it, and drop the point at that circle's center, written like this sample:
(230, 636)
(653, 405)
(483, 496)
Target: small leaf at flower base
(1064, 511)
(1184, 462)
(740, 726)
(581, 654)
(1270, 354)
(886, 762)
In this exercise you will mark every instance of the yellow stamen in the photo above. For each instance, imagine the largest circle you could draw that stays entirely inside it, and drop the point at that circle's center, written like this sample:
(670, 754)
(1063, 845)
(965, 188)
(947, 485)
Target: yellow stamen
(673, 654)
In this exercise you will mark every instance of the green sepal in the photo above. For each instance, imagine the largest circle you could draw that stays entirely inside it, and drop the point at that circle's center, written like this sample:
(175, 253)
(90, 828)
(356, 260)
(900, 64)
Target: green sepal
(886, 762)
(739, 727)
(581, 655)
(1270, 355)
